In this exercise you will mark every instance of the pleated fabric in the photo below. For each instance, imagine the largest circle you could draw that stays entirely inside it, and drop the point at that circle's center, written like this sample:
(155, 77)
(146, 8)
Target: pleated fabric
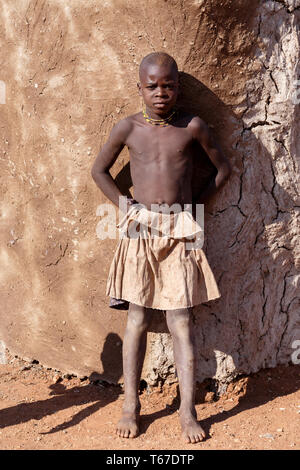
(158, 262)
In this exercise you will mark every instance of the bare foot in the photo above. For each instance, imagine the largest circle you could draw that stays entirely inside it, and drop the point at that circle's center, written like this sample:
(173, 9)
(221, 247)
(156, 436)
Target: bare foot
(191, 430)
(128, 426)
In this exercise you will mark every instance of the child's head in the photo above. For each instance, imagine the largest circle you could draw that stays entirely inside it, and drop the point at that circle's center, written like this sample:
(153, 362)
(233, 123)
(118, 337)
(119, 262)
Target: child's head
(158, 82)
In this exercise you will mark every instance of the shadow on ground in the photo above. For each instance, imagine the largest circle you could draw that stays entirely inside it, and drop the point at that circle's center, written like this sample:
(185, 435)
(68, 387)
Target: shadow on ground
(97, 394)
(252, 391)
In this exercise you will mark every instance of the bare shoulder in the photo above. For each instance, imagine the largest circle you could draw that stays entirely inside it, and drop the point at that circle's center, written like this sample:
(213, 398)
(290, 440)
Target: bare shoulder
(122, 129)
(197, 125)
(135, 118)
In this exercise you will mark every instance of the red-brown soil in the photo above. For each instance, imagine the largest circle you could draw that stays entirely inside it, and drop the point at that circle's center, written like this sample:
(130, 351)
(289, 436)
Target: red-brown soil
(41, 409)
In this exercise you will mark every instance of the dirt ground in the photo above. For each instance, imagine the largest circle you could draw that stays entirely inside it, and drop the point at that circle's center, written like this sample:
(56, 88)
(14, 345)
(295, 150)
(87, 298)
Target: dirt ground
(41, 409)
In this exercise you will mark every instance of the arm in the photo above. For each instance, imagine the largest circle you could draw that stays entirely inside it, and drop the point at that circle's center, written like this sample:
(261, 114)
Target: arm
(202, 134)
(106, 158)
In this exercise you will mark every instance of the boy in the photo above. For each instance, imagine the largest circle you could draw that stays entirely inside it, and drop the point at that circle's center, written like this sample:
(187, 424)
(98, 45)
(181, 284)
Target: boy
(159, 272)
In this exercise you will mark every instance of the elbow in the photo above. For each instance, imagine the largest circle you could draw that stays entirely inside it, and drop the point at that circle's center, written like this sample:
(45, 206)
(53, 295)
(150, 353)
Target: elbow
(224, 173)
(227, 170)
(96, 172)
(93, 172)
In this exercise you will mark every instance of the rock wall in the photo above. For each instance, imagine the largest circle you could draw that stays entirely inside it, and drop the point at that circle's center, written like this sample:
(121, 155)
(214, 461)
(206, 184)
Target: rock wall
(70, 72)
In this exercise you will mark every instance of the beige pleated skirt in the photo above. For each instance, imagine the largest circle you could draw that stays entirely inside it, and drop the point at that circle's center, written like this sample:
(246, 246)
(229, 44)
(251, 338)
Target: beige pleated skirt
(158, 262)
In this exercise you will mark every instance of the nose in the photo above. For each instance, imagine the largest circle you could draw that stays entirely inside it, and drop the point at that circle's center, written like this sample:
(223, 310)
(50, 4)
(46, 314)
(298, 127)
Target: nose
(160, 91)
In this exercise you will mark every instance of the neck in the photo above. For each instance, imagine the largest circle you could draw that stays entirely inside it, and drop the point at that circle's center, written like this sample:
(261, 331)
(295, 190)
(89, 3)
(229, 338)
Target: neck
(156, 116)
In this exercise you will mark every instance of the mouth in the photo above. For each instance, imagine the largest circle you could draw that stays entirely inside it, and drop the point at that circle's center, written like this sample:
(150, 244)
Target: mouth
(161, 104)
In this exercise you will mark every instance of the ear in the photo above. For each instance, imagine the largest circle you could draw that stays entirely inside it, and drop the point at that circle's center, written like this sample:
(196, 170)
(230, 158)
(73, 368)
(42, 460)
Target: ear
(139, 88)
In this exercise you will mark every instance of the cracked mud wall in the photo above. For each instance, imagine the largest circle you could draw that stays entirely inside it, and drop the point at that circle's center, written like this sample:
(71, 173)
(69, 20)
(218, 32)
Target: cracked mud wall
(70, 71)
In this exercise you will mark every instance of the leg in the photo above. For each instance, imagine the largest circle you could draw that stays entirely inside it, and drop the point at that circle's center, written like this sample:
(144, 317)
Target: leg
(180, 326)
(134, 348)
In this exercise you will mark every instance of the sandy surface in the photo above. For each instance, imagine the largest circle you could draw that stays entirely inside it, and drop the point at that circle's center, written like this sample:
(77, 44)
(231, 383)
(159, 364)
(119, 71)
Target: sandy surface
(40, 409)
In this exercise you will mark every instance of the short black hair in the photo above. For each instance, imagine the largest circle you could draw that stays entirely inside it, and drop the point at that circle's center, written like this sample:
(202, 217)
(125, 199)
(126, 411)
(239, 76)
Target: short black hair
(158, 58)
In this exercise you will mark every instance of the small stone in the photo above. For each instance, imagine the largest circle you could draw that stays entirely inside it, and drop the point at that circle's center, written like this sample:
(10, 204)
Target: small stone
(279, 430)
(282, 409)
(267, 436)
(62, 139)
(35, 85)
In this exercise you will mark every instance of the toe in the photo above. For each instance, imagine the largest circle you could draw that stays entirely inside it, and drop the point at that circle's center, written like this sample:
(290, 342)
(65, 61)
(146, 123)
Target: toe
(133, 433)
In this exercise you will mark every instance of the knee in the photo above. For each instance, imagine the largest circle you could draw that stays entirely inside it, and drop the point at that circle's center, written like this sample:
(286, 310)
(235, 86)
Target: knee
(138, 319)
(179, 325)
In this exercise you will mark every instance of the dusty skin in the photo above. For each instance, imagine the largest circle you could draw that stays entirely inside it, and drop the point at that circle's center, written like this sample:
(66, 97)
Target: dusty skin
(134, 347)
(161, 168)
(41, 409)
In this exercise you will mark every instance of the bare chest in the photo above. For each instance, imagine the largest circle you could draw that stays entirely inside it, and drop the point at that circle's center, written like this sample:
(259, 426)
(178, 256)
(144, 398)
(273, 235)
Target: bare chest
(153, 143)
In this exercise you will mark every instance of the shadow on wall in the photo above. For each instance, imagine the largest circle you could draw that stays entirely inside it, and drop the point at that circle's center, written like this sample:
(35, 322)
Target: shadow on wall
(98, 391)
(253, 174)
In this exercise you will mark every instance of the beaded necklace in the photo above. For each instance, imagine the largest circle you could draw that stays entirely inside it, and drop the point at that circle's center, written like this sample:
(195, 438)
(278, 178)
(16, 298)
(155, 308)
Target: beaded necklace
(159, 122)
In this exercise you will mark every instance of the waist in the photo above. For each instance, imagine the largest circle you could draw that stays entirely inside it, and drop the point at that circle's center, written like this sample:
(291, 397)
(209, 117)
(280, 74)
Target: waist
(164, 207)
(169, 220)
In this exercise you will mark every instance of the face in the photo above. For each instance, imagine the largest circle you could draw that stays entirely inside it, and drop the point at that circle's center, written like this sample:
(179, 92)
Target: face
(159, 88)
